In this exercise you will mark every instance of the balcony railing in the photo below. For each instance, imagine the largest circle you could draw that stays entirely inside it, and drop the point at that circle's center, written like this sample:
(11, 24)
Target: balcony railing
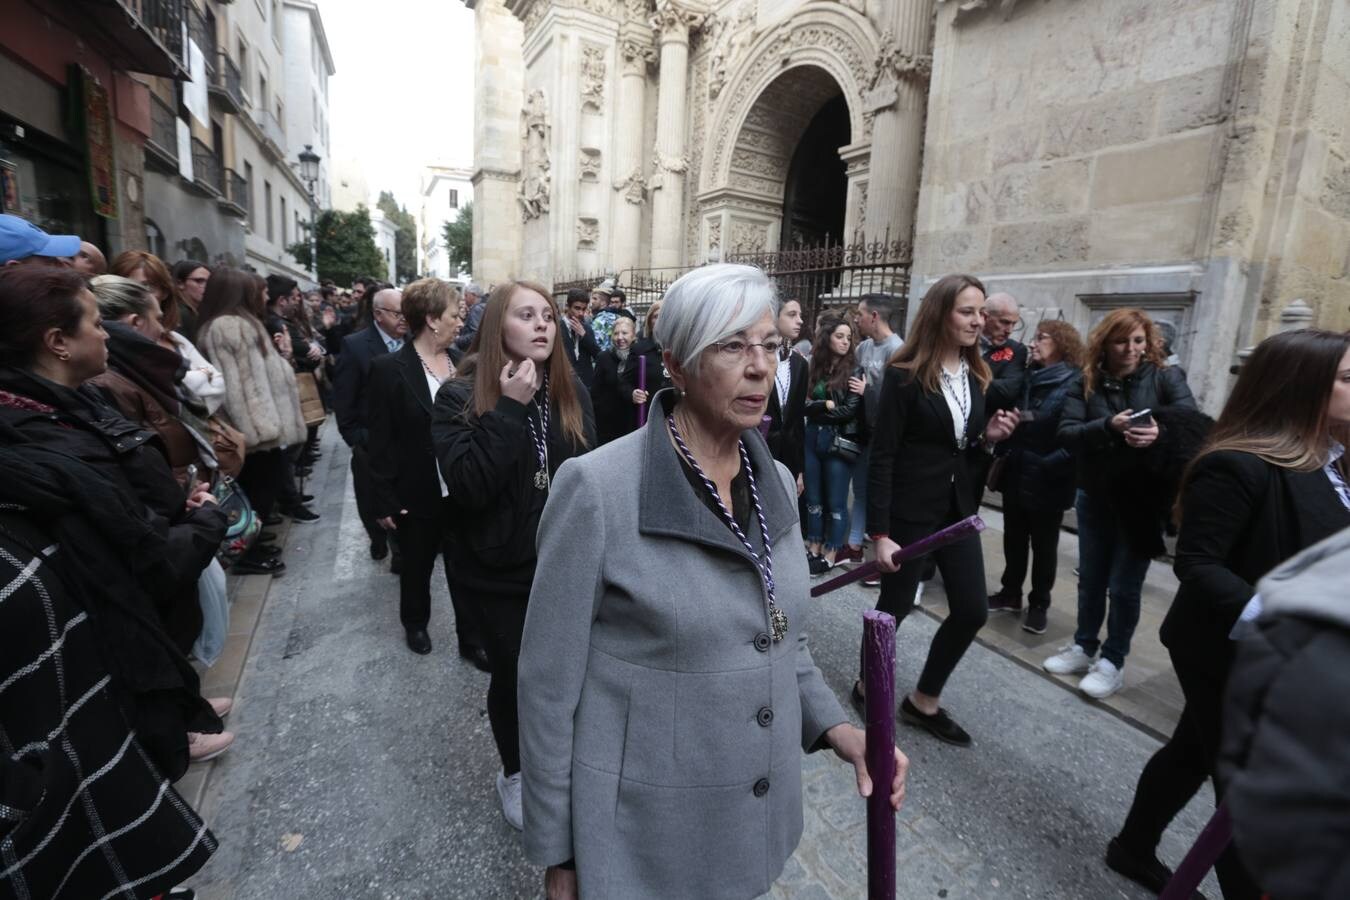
(227, 85)
(161, 150)
(271, 129)
(206, 169)
(235, 200)
(202, 34)
(147, 35)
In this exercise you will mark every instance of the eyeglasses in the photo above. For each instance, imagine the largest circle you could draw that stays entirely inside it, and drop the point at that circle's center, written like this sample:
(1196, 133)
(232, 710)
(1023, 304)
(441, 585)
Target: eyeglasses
(737, 349)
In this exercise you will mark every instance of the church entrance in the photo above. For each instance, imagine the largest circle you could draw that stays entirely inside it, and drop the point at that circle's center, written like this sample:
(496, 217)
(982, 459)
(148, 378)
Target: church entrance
(816, 190)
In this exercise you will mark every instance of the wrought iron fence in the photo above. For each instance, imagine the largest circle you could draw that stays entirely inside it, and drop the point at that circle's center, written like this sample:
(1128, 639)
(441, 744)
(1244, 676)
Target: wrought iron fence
(163, 19)
(227, 83)
(206, 167)
(236, 190)
(202, 34)
(163, 142)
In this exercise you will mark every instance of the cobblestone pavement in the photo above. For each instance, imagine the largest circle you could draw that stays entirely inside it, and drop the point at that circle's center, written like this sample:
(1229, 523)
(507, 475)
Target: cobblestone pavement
(364, 771)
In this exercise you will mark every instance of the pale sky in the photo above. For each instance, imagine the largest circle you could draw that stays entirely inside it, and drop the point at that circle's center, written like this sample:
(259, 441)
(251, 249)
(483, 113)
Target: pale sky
(403, 93)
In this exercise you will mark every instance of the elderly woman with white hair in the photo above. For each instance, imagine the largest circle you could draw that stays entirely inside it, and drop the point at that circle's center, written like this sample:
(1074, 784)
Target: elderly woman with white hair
(666, 690)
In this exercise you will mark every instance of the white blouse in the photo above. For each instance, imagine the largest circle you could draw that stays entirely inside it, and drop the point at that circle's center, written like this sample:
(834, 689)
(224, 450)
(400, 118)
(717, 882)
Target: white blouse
(203, 381)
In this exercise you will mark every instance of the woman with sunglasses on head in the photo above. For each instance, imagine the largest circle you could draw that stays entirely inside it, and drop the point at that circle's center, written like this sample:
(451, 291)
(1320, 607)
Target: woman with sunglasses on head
(1271, 482)
(513, 413)
(930, 425)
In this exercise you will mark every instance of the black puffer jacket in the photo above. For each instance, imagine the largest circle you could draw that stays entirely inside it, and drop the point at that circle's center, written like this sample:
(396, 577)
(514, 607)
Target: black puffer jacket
(1103, 456)
(1039, 473)
(847, 415)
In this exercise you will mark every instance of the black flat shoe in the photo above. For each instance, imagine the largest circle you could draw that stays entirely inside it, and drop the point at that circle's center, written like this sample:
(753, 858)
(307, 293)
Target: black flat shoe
(379, 549)
(1147, 871)
(476, 655)
(419, 642)
(258, 567)
(939, 724)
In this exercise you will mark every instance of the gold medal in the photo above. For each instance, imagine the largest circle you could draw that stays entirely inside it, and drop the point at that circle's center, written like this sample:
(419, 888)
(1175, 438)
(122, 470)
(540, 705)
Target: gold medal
(778, 623)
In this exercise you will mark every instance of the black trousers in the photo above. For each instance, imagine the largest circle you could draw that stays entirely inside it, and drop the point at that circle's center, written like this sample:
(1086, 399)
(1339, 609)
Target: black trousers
(962, 568)
(1176, 772)
(421, 540)
(290, 486)
(1038, 529)
(503, 617)
(262, 478)
(365, 495)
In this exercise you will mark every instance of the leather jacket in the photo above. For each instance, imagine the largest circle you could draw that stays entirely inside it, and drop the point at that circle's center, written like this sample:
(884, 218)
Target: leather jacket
(847, 414)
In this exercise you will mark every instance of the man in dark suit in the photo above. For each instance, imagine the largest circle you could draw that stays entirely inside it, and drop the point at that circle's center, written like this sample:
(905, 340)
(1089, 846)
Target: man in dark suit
(1007, 360)
(578, 336)
(787, 400)
(385, 335)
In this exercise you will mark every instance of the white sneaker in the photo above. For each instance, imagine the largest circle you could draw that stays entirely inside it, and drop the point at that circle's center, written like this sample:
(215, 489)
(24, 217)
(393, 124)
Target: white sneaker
(508, 789)
(1070, 660)
(1103, 681)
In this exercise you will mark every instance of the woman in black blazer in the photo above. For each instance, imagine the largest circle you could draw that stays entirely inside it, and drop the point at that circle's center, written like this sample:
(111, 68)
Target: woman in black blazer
(409, 492)
(930, 423)
(1270, 483)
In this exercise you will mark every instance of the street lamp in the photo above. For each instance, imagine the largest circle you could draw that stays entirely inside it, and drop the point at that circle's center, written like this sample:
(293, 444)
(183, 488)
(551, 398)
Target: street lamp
(309, 174)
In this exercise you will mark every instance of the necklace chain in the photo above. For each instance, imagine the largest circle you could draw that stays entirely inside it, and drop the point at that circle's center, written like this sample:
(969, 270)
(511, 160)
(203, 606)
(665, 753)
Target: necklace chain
(450, 362)
(777, 618)
(962, 399)
(540, 438)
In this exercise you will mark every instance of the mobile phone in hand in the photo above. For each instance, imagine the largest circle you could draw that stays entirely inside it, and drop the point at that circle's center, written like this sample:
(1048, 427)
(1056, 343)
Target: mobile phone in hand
(1141, 419)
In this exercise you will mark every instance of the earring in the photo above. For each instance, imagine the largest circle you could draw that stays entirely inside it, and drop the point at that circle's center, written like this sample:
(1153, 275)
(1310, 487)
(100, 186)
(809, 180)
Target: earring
(64, 356)
(433, 329)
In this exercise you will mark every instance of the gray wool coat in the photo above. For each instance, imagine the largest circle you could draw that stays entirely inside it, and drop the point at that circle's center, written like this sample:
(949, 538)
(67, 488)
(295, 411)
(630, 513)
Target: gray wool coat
(661, 731)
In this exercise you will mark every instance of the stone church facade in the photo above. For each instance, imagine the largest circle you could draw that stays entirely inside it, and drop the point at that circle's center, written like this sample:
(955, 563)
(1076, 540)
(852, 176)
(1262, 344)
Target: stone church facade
(1188, 156)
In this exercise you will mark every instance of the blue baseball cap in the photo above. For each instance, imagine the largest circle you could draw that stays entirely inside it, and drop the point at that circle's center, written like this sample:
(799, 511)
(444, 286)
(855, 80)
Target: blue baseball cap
(20, 239)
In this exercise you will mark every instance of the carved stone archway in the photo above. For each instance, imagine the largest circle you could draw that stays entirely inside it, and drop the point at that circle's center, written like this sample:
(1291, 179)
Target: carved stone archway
(786, 74)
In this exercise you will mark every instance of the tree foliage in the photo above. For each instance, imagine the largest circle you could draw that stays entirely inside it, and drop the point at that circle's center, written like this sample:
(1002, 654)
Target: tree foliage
(346, 246)
(405, 242)
(459, 239)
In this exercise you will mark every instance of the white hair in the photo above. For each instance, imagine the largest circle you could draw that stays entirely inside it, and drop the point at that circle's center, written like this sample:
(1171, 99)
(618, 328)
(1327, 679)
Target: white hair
(1001, 300)
(712, 303)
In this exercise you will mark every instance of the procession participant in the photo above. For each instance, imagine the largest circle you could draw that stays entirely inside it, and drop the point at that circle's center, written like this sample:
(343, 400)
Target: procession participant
(501, 428)
(614, 392)
(1270, 483)
(665, 705)
(787, 400)
(930, 426)
(409, 491)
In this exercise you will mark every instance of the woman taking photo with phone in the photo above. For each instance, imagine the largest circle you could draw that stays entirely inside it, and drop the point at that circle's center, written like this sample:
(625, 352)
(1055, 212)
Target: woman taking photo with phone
(1271, 482)
(1108, 423)
(930, 423)
(833, 442)
(513, 414)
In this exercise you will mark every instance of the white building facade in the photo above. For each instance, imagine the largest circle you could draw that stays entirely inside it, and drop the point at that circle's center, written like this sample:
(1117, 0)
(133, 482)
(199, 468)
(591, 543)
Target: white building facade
(443, 193)
(308, 66)
(386, 236)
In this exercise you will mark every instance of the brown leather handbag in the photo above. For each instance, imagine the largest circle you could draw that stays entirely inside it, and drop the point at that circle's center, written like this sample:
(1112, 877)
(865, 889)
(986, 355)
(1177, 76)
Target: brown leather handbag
(311, 405)
(228, 442)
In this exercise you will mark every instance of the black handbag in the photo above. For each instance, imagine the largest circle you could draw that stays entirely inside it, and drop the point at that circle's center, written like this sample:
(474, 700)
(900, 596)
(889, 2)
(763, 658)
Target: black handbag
(844, 448)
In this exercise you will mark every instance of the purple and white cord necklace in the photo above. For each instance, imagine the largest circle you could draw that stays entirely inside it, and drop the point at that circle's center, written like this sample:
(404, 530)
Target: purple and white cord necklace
(540, 438)
(778, 621)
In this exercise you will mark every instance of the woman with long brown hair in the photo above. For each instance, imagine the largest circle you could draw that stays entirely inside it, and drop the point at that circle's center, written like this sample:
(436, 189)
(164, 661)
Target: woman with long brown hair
(1271, 481)
(1109, 420)
(501, 428)
(833, 441)
(930, 423)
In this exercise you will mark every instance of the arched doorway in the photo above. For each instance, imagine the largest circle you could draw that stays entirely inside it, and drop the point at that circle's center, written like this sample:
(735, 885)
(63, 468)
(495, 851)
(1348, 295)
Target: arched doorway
(816, 191)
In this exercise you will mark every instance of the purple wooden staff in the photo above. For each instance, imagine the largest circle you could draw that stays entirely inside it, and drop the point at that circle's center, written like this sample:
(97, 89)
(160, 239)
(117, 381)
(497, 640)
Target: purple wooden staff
(1206, 850)
(938, 539)
(879, 672)
(642, 386)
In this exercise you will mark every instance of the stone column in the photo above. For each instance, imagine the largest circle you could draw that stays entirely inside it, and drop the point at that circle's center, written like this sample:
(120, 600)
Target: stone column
(673, 24)
(629, 185)
(897, 98)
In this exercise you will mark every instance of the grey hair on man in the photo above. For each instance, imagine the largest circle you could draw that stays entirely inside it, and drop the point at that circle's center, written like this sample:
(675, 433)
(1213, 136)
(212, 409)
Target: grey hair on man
(711, 303)
(118, 297)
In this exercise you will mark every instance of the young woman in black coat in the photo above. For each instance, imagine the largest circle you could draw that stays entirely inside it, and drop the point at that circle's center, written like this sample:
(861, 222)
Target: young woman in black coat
(930, 422)
(513, 414)
(1038, 478)
(614, 389)
(1271, 482)
(409, 493)
(832, 410)
(1125, 373)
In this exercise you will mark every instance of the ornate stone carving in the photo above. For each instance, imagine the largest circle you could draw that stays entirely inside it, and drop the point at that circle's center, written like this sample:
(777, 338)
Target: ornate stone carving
(661, 164)
(637, 10)
(749, 237)
(536, 183)
(893, 64)
(533, 16)
(633, 187)
(715, 238)
(588, 233)
(636, 57)
(862, 205)
(755, 163)
(589, 164)
(672, 18)
(969, 9)
(607, 8)
(728, 36)
(593, 78)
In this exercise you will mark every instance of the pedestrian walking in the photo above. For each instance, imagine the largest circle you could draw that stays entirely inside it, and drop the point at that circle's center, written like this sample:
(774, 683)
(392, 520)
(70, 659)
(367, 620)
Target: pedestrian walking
(513, 414)
(409, 491)
(833, 442)
(931, 423)
(1036, 476)
(666, 687)
(1270, 483)
(1110, 418)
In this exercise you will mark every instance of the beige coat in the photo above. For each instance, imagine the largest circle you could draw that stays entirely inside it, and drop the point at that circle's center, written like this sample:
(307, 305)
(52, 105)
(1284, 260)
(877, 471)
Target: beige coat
(261, 398)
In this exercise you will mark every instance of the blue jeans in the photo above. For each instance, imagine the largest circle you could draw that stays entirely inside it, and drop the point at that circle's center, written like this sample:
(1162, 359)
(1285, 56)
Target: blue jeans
(858, 521)
(826, 479)
(1106, 564)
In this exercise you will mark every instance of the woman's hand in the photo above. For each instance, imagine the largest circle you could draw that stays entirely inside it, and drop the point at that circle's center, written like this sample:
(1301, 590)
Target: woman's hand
(519, 386)
(283, 341)
(857, 385)
(200, 495)
(829, 406)
(1140, 436)
(639, 397)
(1001, 426)
(388, 523)
(850, 745)
(1120, 421)
(885, 549)
(560, 884)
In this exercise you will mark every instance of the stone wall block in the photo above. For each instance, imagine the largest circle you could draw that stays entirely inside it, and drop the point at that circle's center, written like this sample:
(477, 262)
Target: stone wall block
(951, 251)
(1119, 119)
(1046, 190)
(1335, 193)
(1157, 233)
(1191, 101)
(1015, 144)
(1319, 242)
(1042, 243)
(1164, 170)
